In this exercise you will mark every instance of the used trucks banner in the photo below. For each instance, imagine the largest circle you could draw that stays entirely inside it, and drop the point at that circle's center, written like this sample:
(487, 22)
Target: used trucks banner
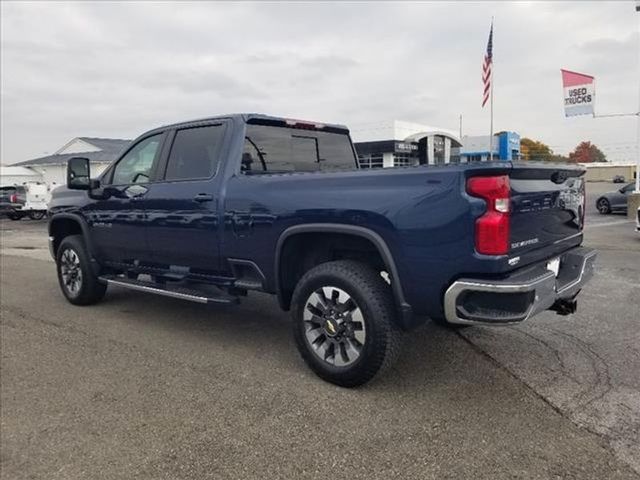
(579, 93)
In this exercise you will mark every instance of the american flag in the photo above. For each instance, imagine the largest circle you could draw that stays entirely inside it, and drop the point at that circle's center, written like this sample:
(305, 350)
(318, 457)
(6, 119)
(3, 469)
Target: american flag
(486, 68)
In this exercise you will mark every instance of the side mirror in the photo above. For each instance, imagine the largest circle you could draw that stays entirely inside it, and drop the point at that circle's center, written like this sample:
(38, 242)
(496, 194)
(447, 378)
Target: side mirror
(78, 174)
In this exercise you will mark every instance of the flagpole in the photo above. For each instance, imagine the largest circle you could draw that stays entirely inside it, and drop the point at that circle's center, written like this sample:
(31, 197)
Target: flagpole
(491, 99)
(491, 122)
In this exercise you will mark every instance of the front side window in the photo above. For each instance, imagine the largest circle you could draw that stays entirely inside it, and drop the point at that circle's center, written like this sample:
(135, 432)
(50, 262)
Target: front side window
(195, 153)
(136, 165)
(273, 149)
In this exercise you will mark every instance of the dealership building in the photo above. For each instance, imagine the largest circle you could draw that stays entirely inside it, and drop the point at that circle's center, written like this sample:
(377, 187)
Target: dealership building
(397, 144)
(505, 146)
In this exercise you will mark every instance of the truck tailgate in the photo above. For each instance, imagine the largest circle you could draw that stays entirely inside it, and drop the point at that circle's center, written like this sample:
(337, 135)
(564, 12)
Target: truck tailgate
(547, 206)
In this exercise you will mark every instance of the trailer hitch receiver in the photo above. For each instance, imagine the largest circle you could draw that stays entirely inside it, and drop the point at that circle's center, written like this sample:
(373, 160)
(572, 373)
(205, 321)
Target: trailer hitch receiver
(565, 306)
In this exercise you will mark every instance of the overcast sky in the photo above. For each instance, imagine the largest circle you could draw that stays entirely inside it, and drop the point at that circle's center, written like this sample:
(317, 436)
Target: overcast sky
(118, 69)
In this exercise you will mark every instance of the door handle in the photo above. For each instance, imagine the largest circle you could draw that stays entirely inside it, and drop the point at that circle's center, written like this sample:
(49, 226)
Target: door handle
(203, 197)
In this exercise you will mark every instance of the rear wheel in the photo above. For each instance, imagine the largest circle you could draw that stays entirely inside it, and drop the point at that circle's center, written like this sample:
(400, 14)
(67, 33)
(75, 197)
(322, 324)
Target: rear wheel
(14, 216)
(343, 318)
(603, 205)
(37, 214)
(78, 282)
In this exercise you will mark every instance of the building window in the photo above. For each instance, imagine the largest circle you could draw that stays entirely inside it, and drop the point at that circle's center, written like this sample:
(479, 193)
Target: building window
(403, 159)
(370, 160)
(474, 158)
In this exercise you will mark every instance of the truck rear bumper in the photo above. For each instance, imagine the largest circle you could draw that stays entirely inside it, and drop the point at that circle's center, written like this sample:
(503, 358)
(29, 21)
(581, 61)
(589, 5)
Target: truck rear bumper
(10, 207)
(521, 295)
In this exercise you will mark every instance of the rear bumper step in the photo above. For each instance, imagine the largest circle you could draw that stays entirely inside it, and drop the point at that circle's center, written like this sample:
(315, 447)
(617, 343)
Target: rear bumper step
(521, 295)
(169, 290)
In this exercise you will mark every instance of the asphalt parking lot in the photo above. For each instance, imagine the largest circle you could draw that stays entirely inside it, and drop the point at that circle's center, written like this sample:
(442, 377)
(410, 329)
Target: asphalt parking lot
(148, 387)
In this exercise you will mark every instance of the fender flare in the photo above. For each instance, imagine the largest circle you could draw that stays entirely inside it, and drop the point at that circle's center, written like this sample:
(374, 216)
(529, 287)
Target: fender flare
(404, 309)
(84, 226)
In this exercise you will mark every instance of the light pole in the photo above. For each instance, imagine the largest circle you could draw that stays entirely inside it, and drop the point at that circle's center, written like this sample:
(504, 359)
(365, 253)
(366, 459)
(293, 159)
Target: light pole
(637, 191)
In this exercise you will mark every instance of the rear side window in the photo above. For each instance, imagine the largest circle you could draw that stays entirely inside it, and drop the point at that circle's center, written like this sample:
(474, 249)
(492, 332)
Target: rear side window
(272, 149)
(195, 153)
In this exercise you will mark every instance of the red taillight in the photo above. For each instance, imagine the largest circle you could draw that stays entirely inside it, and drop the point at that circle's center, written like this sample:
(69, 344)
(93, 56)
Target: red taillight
(492, 228)
(13, 198)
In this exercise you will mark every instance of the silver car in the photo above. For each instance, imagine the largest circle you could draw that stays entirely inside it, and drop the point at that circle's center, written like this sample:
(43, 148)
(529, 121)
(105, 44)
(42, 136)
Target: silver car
(615, 201)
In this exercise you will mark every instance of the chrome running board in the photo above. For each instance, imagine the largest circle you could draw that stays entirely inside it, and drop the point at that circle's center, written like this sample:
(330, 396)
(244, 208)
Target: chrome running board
(172, 291)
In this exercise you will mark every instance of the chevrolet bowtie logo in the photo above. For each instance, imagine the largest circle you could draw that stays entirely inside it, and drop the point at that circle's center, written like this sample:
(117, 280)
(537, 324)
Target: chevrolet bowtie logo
(330, 327)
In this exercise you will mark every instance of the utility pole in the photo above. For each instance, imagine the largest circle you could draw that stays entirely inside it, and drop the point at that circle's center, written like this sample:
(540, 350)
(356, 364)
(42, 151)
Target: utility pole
(633, 200)
(637, 191)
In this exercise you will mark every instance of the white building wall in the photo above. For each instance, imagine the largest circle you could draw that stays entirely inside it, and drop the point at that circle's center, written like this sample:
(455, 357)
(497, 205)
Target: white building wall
(430, 150)
(77, 146)
(387, 160)
(58, 173)
(392, 129)
(478, 144)
(447, 149)
(18, 176)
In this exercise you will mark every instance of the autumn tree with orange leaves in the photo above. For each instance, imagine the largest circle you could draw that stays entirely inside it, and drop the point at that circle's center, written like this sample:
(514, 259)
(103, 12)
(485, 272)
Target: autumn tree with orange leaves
(587, 152)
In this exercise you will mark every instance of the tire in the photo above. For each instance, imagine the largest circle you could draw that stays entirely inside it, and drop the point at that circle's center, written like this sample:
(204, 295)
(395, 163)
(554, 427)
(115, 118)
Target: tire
(14, 216)
(37, 214)
(344, 322)
(78, 282)
(603, 206)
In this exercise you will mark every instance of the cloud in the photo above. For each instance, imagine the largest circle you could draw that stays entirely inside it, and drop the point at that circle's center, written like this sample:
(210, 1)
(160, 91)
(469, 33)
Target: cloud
(118, 69)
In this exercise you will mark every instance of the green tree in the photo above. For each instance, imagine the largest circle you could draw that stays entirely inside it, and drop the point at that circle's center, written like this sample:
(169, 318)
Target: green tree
(535, 151)
(587, 152)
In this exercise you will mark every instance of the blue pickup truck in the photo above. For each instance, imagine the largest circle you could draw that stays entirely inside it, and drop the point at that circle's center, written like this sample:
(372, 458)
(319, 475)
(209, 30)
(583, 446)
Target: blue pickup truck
(211, 209)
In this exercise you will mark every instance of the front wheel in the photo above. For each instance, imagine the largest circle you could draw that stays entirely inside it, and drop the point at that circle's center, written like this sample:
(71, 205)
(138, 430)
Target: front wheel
(604, 207)
(78, 282)
(344, 322)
